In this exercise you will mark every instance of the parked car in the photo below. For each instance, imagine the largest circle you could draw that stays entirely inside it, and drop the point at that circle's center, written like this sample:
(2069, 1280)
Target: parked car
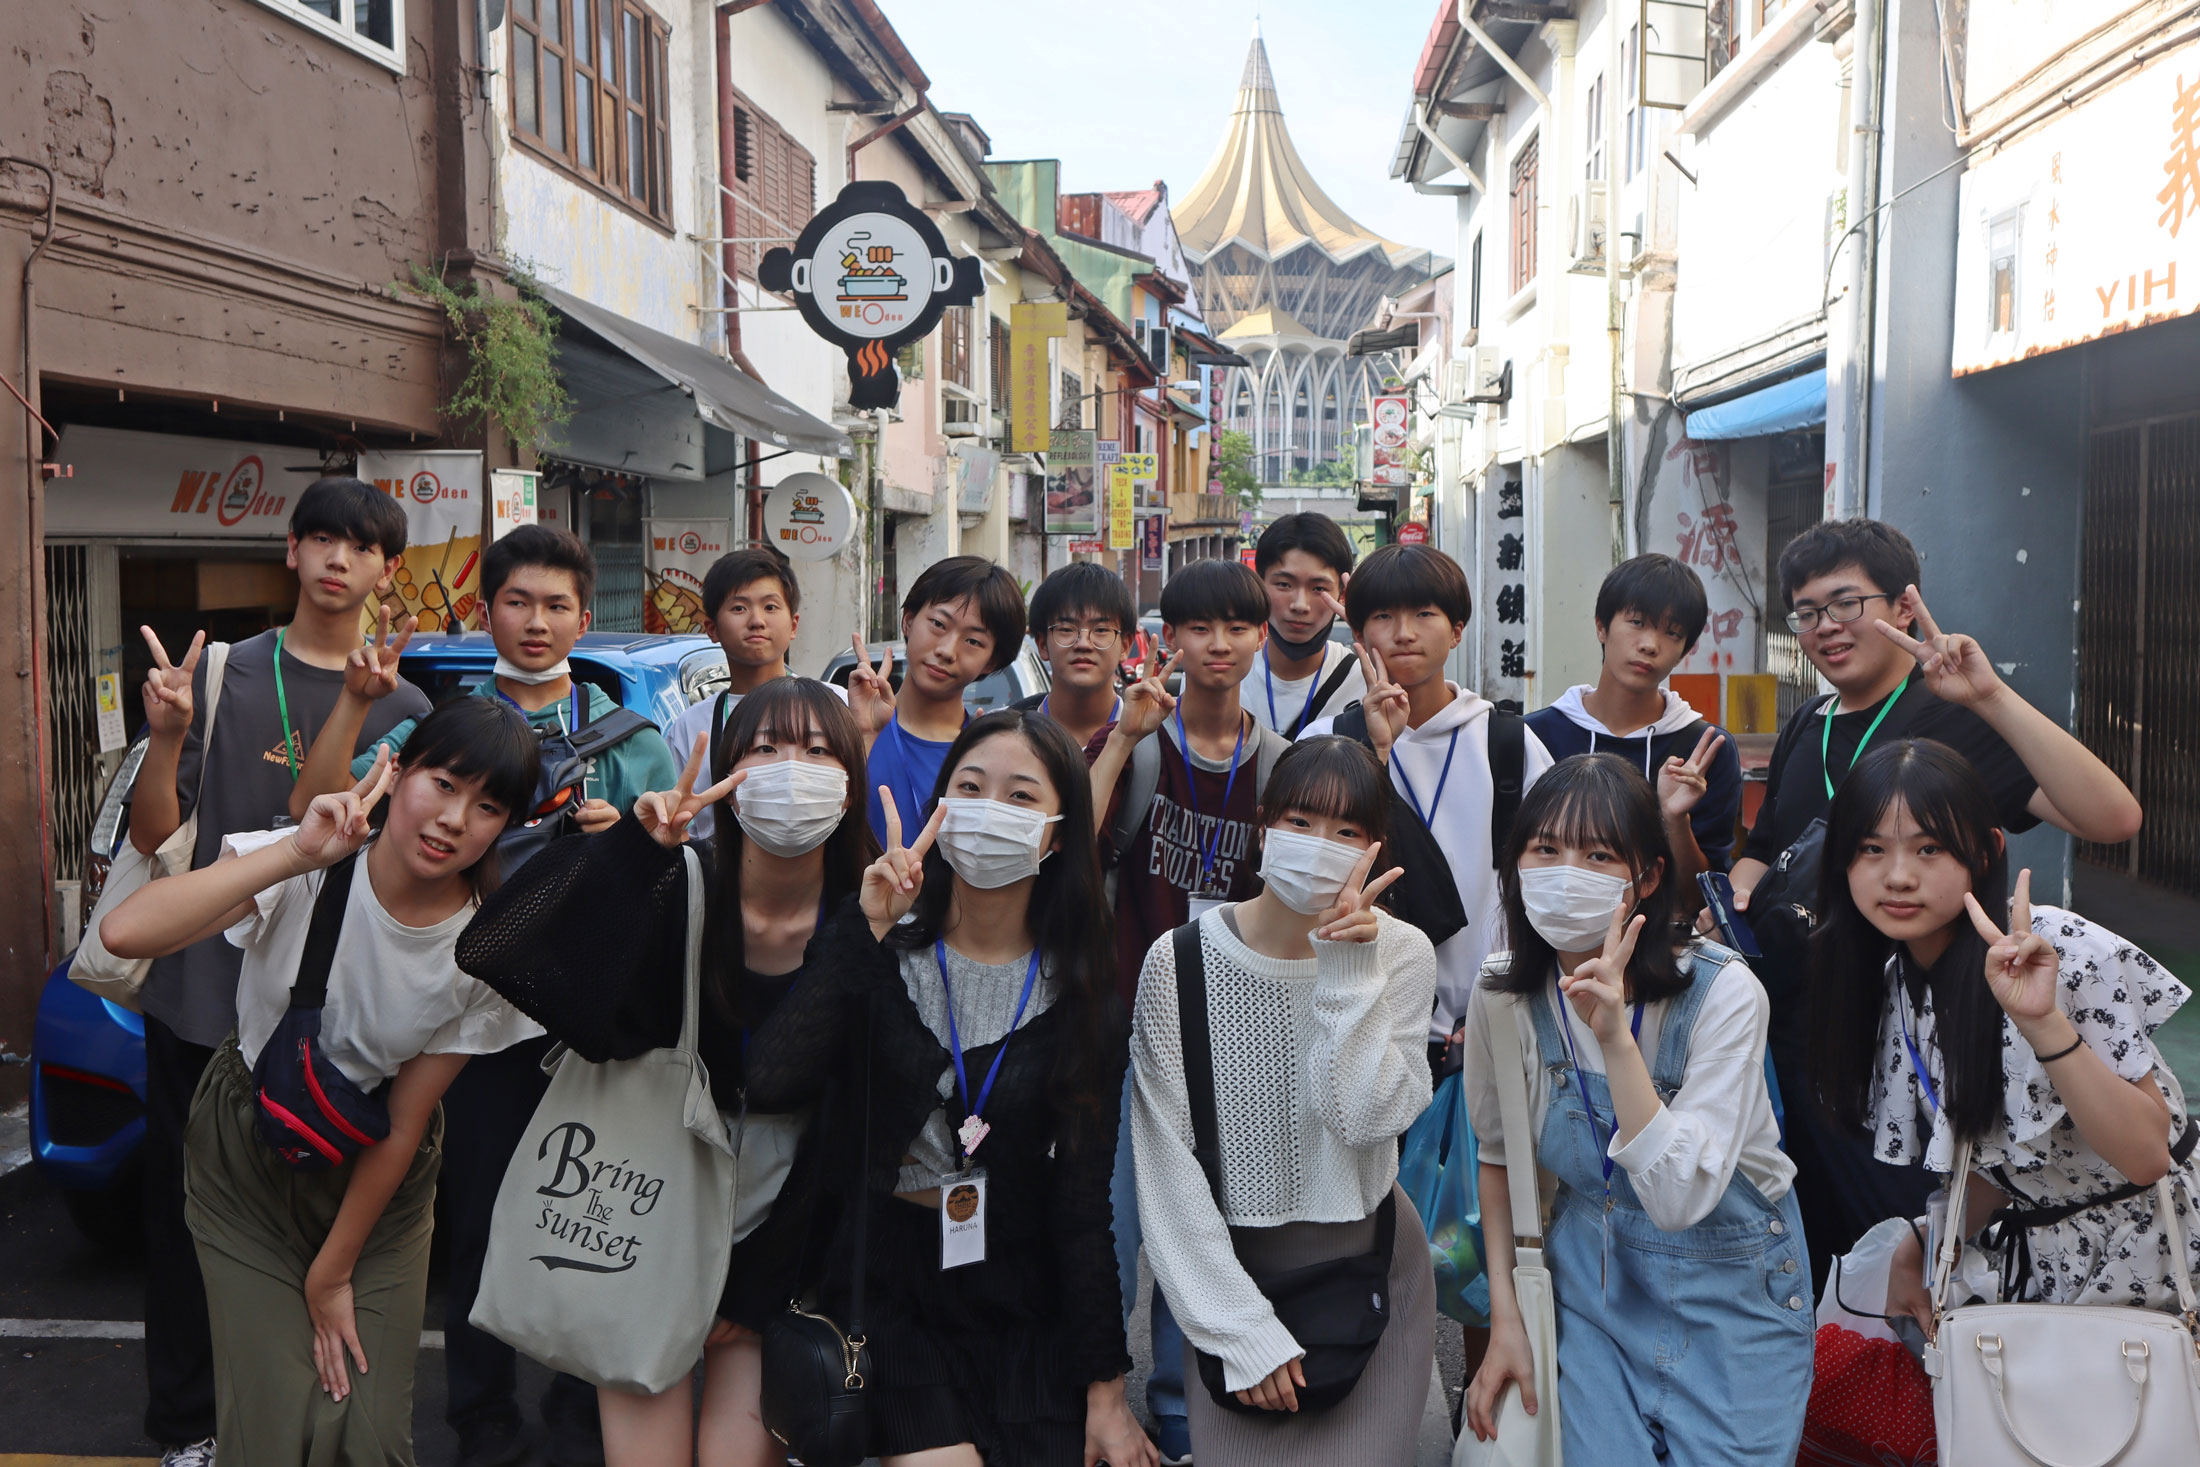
(87, 1108)
(1024, 677)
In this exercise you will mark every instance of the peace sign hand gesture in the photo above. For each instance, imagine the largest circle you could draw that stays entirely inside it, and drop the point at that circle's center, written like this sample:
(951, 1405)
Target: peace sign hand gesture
(1148, 701)
(2022, 967)
(1598, 988)
(1956, 669)
(665, 814)
(168, 696)
(370, 672)
(1683, 782)
(891, 883)
(1384, 703)
(1351, 918)
(870, 693)
(336, 825)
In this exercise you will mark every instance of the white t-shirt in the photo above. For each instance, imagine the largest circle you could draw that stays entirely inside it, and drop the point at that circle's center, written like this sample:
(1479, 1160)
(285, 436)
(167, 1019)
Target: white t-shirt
(698, 719)
(394, 991)
(1276, 703)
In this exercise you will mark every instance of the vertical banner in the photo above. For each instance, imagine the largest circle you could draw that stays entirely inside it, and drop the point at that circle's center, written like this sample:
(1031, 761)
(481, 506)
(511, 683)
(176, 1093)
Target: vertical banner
(438, 579)
(107, 699)
(1073, 500)
(1152, 530)
(679, 555)
(1030, 328)
(512, 496)
(1145, 472)
(1393, 419)
(1122, 528)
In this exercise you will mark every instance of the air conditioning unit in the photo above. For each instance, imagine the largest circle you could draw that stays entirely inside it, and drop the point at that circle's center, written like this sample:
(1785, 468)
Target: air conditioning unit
(1460, 383)
(1585, 230)
(961, 417)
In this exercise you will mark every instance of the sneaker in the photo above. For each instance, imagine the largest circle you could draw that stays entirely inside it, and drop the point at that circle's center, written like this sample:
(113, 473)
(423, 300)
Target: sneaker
(1172, 1437)
(198, 1454)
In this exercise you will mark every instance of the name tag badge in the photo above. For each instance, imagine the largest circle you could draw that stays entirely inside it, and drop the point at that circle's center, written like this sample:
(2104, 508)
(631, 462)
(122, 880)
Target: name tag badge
(1201, 906)
(962, 1219)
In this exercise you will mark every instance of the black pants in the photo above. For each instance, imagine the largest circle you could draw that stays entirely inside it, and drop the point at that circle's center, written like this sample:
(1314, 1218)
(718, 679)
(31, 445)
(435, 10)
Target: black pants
(179, 1351)
(485, 1112)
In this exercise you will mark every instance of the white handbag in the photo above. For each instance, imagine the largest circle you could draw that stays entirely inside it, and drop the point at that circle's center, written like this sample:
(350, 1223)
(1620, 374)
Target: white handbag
(2063, 1385)
(93, 968)
(1522, 1440)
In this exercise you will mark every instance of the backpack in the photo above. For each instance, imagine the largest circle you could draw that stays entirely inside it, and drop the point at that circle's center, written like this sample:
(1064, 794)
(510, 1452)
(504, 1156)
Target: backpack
(567, 756)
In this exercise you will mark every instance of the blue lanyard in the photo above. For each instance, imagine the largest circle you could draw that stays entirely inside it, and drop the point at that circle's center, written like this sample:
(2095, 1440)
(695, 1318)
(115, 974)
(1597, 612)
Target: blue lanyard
(1191, 780)
(954, 1038)
(577, 719)
(1313, 687)
(1917, 1061)
(1428, 816)
(1566, 1032)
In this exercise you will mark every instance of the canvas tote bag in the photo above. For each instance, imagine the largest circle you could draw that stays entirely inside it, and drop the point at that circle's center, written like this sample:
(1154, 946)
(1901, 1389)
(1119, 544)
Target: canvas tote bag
(608, 1246)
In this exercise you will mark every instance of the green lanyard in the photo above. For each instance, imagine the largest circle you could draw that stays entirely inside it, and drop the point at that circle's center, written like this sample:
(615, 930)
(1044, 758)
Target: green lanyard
(1825, 737)
(282, 705)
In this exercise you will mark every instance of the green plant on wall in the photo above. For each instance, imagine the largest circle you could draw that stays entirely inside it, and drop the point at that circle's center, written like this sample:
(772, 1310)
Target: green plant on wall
(511, 371)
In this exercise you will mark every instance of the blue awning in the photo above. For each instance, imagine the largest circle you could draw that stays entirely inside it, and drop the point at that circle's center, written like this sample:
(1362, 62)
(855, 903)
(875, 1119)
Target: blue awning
(1784, 407)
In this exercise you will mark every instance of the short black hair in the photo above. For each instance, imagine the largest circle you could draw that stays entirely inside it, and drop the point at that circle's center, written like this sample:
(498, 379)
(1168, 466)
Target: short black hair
(542, 545)
(1662, 589)
(1406, 578)
(1881, 551)
(351, 509)
(1332, 776)
(988, 587)
(737, 569)
(485, 739)
(1082, 588)
(1316, 534)
(1213, 590)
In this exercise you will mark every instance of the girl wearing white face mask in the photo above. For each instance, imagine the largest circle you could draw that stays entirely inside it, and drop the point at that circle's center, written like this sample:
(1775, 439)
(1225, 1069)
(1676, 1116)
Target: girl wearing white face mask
(1313, 1027)
(588, 937)
(1682, 1284)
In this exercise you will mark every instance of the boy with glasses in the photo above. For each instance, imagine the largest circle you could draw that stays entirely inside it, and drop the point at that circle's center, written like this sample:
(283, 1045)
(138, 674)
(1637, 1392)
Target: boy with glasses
(1081, 617)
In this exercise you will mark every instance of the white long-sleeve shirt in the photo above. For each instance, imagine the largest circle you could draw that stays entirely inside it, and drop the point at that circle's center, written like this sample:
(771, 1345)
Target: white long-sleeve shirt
(1319, 1066)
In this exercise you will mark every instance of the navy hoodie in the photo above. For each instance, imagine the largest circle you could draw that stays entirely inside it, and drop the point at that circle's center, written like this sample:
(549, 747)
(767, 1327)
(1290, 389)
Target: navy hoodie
(1567, 728)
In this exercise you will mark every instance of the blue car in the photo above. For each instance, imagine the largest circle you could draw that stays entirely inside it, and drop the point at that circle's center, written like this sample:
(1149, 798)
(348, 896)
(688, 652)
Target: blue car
(87, 1109)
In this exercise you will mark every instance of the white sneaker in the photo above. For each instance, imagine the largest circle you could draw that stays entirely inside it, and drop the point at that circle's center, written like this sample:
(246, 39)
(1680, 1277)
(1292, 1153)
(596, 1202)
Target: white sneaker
(198, 1454)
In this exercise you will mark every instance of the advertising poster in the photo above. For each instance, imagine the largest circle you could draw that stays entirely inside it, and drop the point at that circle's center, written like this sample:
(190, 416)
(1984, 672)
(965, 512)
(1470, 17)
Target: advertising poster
(679, 555)
(1030, 328)
(439, 577)
(512, 500)
(1152, 530)
(1073, 499)
(1392, 418)
(1122, 526)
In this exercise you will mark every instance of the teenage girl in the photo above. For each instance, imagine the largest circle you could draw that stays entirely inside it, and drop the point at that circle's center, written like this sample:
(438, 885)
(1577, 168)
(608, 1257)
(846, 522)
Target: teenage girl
(316, 1281)
(589, 938)
(996, 1051)
(1317, 1006)
(1677, 1262)
(1931, 1023)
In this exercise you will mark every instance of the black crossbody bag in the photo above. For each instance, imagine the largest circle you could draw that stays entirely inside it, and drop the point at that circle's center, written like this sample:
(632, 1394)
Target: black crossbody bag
(1337, 1309)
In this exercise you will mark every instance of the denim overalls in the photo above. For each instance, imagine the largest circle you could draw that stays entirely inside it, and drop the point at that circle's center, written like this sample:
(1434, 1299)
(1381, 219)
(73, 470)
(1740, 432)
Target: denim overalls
(1693, 1347)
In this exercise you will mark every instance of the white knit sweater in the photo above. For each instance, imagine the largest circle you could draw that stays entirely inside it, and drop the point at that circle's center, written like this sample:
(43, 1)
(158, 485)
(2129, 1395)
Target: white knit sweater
(1319, 1065)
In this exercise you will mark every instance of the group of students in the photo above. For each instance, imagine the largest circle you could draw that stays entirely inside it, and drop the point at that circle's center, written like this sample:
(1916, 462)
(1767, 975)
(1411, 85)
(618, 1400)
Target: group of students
(1165, 962)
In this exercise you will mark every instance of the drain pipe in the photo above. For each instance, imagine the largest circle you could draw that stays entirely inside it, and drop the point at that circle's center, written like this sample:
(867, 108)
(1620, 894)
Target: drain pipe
(892, 124)
(29, 623)
(1850, 493)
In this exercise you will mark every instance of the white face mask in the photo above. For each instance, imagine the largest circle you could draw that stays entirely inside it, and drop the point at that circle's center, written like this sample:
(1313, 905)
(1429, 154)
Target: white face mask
(1304, 871)
(990, 843)
(1570, 907)
(506, 667)
(790, 807)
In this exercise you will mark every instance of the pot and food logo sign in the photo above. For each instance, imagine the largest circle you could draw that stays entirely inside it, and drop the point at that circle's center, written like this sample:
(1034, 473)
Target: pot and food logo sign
(680, 555)
(242, 488)
(588, 1222)
(231, 498)
(808, 516)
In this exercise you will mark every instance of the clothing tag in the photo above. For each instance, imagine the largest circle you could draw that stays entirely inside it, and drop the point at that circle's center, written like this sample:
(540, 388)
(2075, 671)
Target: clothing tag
(970, 1133)
(962, 1219)
(1201, 906)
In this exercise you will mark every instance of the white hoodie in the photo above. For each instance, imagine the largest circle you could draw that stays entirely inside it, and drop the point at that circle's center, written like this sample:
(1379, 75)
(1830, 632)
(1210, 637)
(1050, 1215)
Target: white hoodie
(1460, 821)
(1678, 715)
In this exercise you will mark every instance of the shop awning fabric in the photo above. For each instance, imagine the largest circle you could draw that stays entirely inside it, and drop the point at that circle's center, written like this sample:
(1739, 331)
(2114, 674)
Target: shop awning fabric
(1784, 407)
(726, 397)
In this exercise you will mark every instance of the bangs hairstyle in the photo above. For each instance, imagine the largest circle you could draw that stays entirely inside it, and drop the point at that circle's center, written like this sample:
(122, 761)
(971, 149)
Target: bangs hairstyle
(1661, 590)
(1849, 988)
(1332, 776)
(1594, 800)
(350, 509)
(991, 592)
(1316, 534)
(780, 712)
(1070, 917)
(1407, 578)
(543, 545)
(737, 570)
(1083, 588)
(1214, 591)
(1883, 553)
(484, 739)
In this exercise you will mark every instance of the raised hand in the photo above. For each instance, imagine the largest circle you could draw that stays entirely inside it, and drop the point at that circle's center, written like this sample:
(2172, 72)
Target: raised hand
(1956, 669)
(1598, 988)
(892, 882)
(336, 825)
(2022, 967)
(870, 693)
(1351, 918)
(168, 696)
(370, 671)
(1682, 782)
(1148, 701)
(665, 814)
(1385, 702)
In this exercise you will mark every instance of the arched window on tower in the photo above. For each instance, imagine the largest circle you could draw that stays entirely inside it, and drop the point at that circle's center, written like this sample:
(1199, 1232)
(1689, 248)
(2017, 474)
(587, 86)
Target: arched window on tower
(1241, 401)
(1330, 443)
(1272, 441)
(1302, 424)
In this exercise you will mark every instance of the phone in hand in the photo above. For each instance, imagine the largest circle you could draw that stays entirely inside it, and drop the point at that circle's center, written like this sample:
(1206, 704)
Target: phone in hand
(1718, 896)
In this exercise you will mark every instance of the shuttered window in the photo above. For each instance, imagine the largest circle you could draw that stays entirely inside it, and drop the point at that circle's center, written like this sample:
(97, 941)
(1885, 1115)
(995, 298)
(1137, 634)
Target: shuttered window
(774, 182)
(589, 94)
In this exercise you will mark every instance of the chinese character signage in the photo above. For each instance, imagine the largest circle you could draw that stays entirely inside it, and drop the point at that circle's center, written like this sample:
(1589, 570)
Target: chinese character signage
(439, 574)
(1073, 500)
(1030, 328)
(678, 555)
(1153, 529)
(1122, 527)
(1505, 669)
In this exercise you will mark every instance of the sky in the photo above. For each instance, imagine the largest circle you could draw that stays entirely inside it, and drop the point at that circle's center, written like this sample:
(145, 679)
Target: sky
(1128, 91)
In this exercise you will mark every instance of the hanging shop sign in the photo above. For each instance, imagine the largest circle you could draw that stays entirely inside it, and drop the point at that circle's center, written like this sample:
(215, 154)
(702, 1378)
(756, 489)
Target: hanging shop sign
(131, 485)
(808, 516)
(1107, 451)
(1144, 468)
(680, 554)
(438, 577)
(1413, 532)
(1030, 328)
(871, 273)
(1392, 419)
(1073, 498)
(1122, 501)
(514, 495)
(1153, 529)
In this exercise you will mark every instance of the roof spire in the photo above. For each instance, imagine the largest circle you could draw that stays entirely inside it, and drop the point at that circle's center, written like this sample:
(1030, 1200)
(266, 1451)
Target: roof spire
(1257, 78)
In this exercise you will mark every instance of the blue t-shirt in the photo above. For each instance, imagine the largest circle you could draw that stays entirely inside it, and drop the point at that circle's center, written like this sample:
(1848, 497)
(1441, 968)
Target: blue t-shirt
(910, 767)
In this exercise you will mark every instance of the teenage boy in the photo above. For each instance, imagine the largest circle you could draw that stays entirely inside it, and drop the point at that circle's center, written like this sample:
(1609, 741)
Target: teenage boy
(754, 609)
(1649, 613)
(1850, 587)
(1304, 563)
(962, 619)
(277, 695)
(536, 583)
(1080, 617)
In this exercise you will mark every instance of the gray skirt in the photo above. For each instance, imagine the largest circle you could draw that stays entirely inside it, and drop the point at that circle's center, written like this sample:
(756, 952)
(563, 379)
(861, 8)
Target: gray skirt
(1379, 1424)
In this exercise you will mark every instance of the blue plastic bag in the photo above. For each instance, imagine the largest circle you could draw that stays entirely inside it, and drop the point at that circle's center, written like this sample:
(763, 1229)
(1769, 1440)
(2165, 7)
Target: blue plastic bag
(1438, 1171)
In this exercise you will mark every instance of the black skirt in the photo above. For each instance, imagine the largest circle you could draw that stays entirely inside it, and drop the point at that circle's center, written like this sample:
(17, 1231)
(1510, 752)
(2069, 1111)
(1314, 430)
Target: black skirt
(764, 1272)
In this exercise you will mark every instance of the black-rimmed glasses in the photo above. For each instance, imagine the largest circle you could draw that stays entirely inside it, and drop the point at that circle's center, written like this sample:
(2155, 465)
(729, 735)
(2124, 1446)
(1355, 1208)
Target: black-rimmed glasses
(1840, 611)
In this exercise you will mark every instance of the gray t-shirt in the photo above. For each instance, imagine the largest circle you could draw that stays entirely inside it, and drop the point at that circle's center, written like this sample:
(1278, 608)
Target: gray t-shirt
(246, 786)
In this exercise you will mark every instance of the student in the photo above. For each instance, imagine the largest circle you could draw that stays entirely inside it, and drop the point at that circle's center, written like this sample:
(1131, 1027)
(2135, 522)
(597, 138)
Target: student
(794, 849)
(316, 1280)
(1851, 590)
(754, 606)
(536, 582)
(1304, 562)
(278, 693)
(983, 1029)
(1929, 1025)
(962, 619)
(1081, 616)
(1315, 1013)
(1673, 1241)
(1650, 611)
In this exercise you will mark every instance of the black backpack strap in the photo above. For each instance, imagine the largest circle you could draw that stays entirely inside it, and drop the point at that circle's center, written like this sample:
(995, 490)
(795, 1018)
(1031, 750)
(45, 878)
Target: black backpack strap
(1352, 724)
(310, 989)
(1199, 1055)
(593, 739)
(1508, 776)
(714, 754)
(1324, 693)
